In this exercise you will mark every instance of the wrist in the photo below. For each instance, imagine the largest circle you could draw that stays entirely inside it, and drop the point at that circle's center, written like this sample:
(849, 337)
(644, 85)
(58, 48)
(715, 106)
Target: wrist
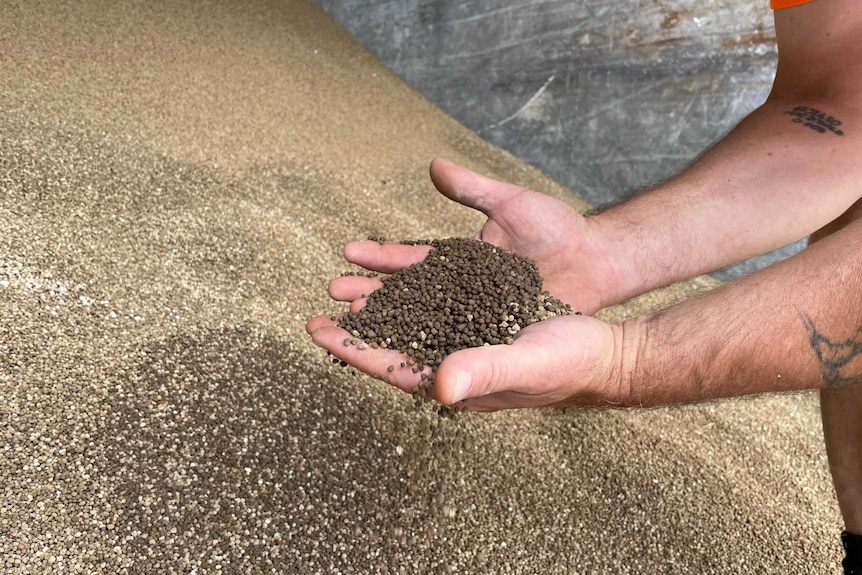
(629, 338)
(610, 246)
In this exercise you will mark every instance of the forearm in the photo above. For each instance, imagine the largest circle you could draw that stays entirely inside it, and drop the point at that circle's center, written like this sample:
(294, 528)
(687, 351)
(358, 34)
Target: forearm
(794, 325)
(758, 189)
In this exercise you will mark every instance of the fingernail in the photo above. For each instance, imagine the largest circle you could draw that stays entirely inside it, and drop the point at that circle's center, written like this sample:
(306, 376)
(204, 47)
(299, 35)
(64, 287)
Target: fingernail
(463, 384)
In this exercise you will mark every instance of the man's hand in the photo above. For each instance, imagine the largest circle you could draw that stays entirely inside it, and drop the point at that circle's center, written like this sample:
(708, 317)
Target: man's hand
(566, 360)
(542, 228)
(562, 361)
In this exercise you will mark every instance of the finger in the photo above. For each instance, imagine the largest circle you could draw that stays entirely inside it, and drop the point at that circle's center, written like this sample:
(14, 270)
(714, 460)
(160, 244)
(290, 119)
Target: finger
(388, 365)
(384, 258)
(469, 188)
(350, 288)
(518, 373)
(471, 374)
(320, 321)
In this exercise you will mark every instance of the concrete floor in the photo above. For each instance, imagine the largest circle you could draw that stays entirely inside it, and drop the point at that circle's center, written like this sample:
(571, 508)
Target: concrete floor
(607, 97)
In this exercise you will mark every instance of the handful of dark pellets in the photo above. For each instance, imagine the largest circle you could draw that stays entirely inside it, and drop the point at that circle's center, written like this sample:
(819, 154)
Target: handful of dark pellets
(465, 293)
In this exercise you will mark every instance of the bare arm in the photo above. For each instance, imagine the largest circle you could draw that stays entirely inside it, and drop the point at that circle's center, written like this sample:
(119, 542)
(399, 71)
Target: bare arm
(785, 171)
(794, 325)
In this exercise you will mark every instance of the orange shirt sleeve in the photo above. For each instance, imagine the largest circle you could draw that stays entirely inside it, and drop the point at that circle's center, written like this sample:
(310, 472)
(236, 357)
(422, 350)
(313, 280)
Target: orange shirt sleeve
(779, 4)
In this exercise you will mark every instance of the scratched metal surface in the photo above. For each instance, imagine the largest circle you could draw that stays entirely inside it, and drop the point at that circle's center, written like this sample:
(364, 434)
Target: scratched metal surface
(609, 97)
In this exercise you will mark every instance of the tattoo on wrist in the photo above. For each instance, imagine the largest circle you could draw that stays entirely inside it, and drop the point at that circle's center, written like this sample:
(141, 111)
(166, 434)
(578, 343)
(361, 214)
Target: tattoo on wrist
(816, 120)
(833, 356)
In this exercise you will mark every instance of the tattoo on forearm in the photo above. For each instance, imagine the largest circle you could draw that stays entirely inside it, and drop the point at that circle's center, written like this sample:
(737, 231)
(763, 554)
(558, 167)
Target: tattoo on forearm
(816, 120)
(833, 355)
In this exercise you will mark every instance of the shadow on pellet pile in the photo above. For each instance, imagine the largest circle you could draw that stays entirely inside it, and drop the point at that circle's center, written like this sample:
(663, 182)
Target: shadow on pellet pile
(265, 468)
(260, 455)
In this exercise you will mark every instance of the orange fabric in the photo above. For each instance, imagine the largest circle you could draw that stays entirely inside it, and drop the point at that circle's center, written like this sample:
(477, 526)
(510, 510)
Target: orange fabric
(779, 4)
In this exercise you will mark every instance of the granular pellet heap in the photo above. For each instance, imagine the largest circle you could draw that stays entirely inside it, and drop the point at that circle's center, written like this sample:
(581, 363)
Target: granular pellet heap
(162, 410)
(465, 293)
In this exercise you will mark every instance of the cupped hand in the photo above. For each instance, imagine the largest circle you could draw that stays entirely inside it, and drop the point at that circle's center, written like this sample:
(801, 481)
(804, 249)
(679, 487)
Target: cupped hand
(566, 360)
(540, 227)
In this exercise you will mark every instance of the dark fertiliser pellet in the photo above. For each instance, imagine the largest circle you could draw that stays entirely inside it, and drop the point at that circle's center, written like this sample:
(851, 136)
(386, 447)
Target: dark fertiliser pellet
(465, 293)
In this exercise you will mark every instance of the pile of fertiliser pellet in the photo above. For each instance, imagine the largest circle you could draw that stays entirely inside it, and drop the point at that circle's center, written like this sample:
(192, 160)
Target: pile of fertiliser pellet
(465, 293)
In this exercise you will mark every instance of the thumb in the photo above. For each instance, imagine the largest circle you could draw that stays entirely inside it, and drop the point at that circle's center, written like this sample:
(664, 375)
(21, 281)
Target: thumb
(540, 368)
(469, 188)
(479, 371)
